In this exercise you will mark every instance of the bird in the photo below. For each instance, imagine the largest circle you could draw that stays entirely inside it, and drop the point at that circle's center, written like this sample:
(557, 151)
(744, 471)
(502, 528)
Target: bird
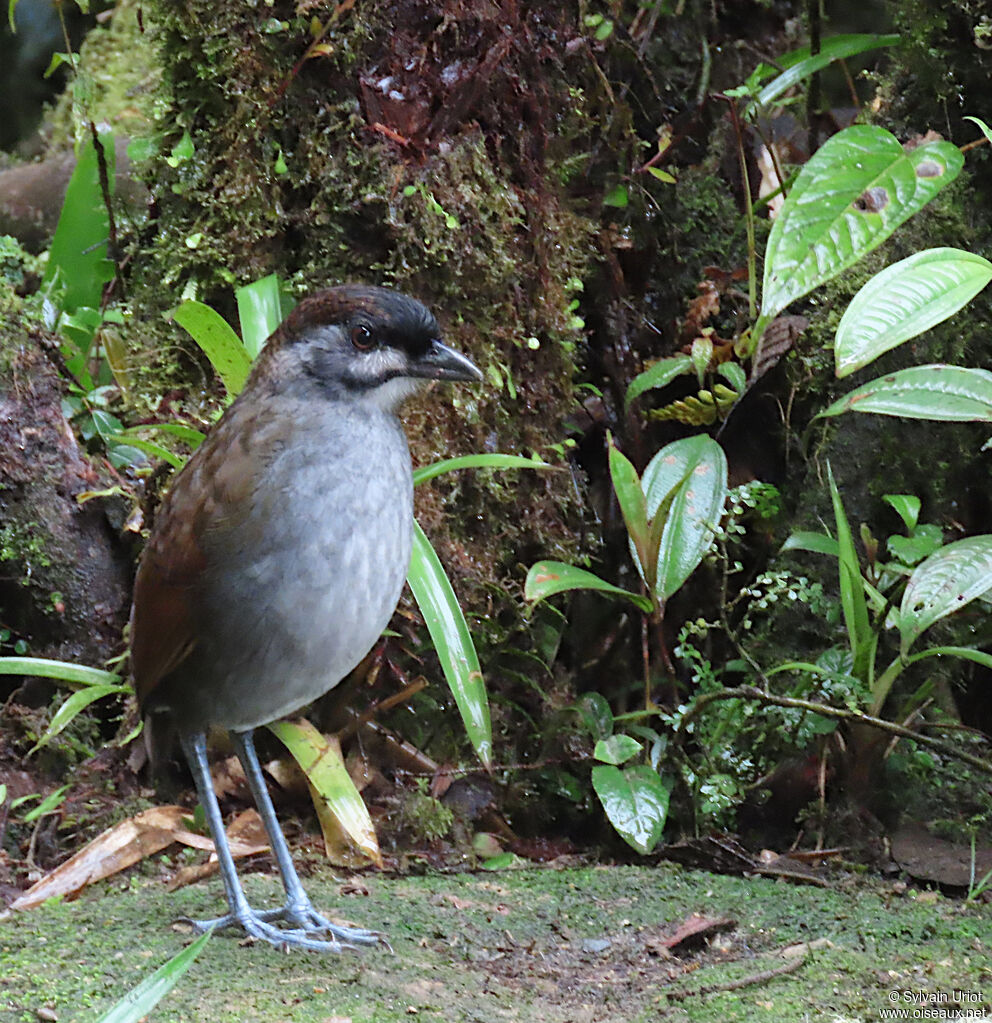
(278, 556)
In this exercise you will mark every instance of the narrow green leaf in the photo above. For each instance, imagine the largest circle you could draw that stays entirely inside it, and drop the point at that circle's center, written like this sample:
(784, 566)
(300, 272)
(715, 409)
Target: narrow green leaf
(335, 793)
(635, 801)
(966, 653)
(633, 507)
(943, 583)
(62, 670)
(11, 7)
(950, 394)
(983, 127)
(815, 543)
(904, 300)
(146, 447)
(692, 472)
(179, 430)
(77, 702)
(219, 343)
(491, 461)
(851, 195)
(801, 63)
(616, 749)
(547, 578)
(139, 1001)
(261, 308)
(852, 594)
(444, 619)
(660, 374)
(49, 804)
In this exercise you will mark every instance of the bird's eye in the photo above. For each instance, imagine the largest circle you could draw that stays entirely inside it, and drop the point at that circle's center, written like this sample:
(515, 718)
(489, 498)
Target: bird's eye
(362, 339)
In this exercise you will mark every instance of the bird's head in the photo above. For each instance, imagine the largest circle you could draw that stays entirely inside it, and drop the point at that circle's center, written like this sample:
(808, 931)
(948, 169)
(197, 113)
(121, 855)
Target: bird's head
(362, 343)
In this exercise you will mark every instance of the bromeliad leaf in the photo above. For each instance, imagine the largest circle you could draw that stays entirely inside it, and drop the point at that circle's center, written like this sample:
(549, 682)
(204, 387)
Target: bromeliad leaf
(854, 192)
(904, 300)
(943, 583)
(940, 392)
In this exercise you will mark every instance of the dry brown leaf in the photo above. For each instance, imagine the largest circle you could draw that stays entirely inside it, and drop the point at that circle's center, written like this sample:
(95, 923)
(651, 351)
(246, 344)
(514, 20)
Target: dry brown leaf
(118, 847)
(132, 840)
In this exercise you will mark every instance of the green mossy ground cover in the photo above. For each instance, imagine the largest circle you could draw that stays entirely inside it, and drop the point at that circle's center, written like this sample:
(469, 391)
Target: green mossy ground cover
(535, 945)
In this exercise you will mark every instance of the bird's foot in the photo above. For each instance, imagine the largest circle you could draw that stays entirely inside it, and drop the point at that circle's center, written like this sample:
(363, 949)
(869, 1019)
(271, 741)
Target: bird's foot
(256, 924)
(302, 916)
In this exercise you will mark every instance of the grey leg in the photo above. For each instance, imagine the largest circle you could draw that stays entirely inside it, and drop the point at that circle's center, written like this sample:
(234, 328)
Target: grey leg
(241, 914)
(298, 911)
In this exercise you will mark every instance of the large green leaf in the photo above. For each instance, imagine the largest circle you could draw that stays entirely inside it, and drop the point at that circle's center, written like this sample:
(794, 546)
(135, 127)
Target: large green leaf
(635, 801)
(691, 474)
(330, 784)
(945, 393)
(616, 749)
(851, 195)
(547, 578)
(139, 1001)
(801, 63)
(904, 300)
(219, 343)
(453, 642)
(77, 265)
(943, 583)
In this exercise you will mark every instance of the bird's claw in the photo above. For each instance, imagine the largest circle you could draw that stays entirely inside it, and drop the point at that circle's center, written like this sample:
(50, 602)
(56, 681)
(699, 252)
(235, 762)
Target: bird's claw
(304, 924)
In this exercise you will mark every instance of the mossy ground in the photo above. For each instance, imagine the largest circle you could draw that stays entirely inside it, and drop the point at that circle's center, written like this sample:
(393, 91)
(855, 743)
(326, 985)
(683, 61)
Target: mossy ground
(541, 945)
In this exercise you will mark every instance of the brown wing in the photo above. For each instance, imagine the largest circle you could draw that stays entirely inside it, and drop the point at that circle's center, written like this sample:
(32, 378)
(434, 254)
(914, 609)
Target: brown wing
(213, 492)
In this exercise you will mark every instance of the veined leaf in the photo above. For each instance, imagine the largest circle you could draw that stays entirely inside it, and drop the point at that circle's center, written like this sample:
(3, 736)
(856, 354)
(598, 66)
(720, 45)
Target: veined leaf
(635, 801)
(851, 195)
(692, 472)
(904, 300)
(445, 622)
(943, 583)
(940, 392)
